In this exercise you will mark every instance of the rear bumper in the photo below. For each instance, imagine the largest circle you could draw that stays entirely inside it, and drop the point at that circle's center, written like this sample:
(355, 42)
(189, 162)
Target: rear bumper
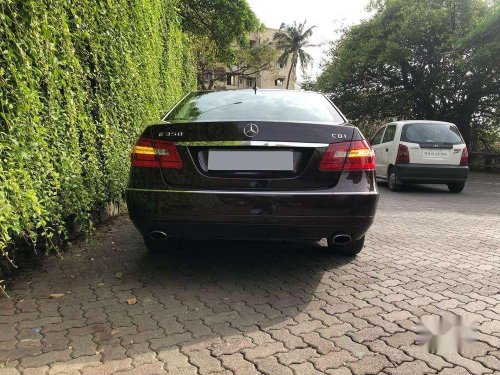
(251, 215)
(431, 173)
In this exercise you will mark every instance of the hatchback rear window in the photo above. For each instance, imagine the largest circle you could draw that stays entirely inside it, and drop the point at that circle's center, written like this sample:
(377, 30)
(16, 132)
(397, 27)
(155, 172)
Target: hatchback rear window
(431, 133)
(263, 105)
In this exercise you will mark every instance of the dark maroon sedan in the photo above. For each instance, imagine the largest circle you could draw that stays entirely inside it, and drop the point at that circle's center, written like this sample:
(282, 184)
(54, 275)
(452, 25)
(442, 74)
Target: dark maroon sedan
(253, 164)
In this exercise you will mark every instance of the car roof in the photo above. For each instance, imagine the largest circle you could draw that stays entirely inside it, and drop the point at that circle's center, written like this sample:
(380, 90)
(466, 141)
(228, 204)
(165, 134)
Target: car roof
(430, 122)
(258, 89)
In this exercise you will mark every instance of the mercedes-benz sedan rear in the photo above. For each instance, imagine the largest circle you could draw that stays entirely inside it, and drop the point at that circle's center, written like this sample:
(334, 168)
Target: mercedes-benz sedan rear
(245, 164)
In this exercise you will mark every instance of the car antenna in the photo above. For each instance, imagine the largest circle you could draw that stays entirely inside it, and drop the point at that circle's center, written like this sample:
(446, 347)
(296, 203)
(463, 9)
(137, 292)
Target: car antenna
(255, 87)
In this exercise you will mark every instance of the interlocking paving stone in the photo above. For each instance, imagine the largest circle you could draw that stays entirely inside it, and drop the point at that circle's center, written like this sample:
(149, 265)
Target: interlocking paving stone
(297, 356)
(333, 360)
(490, 362)
(222, 307)
(411, 368)
(74, 365)
(264, 350)
(304, 369)
(339, 371)
(36, 370)
(205, 362)
(238, 364)
(109, 367)
(271, 366)
(47, 358)
(454, 371)
(370, 364)
(320, 344)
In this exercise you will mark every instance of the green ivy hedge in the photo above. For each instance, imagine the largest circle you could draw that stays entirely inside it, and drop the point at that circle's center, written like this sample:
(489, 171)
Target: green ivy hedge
(78, 82)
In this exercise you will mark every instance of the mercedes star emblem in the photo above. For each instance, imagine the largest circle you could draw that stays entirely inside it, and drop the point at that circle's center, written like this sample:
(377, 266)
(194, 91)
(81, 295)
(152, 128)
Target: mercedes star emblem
(251, 130)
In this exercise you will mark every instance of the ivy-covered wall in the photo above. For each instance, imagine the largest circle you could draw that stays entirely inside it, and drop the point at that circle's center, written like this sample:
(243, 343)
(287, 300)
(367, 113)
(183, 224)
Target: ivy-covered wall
(78, 81)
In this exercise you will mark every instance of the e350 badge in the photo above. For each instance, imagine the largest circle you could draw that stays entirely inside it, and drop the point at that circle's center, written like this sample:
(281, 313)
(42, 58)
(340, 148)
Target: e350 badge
(170, 134)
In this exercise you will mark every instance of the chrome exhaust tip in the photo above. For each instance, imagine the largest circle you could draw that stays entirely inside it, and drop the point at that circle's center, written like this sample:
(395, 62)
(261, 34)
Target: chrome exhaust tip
(341, 239)
(157, 235)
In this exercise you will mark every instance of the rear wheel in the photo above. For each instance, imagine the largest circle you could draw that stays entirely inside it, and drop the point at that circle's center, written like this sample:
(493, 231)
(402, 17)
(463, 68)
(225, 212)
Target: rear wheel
(351, 249)
(393, 182)
(164, 246)
(456, 187)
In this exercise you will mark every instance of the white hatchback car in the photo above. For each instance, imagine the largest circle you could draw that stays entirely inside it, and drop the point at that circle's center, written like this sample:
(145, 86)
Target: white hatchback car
(420, 151)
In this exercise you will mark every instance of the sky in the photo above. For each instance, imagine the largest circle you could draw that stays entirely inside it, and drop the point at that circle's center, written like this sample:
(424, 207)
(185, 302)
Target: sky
(327, 15)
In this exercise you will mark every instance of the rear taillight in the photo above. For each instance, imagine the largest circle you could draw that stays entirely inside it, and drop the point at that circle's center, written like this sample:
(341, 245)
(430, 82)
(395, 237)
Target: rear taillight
(155, 154)
(464, 160)
(348, 156)
(403, 156)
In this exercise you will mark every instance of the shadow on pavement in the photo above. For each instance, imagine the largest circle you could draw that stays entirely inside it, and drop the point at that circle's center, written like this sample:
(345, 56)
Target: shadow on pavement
(416, 188)
(212, 289)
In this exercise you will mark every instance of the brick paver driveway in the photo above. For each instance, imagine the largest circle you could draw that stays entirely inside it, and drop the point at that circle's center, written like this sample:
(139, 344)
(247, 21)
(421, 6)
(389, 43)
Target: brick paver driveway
(249, 308)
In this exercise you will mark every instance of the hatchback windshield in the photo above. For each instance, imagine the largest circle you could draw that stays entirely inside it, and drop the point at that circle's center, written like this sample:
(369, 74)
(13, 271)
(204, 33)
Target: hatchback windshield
(262, 105)
(426, 133)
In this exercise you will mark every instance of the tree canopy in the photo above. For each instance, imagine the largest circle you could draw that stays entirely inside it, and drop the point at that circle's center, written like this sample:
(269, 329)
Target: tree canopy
(219, 23)
(219, 32)
(429, 59)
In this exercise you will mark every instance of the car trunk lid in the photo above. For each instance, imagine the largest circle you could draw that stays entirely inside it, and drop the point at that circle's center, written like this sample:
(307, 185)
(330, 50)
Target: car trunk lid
(222, 155)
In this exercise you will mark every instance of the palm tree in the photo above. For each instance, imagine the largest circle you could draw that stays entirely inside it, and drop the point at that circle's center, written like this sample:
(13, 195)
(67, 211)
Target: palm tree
(291, 40)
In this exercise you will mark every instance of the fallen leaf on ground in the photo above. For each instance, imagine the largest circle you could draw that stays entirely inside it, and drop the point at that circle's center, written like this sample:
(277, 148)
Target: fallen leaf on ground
(118, 275)
(56, 295)
(31, 342)
(132, 301)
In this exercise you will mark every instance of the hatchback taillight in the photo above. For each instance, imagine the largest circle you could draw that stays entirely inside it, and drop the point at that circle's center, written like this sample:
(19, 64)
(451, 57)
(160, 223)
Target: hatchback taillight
(464, 159)
(403, 156)
(348, 156)
(155, 154)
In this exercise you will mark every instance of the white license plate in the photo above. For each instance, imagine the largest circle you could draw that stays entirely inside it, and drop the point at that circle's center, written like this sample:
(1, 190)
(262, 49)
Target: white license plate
(435, 153)
(231, 160)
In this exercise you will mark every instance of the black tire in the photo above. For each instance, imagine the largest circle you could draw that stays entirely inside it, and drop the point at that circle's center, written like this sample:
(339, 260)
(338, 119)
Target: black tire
(352, 249)
(158, 247)
(393, 182)
(456, 187)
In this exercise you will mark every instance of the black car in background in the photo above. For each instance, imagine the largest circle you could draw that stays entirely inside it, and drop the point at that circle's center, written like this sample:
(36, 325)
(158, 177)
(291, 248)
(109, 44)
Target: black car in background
(253, 164)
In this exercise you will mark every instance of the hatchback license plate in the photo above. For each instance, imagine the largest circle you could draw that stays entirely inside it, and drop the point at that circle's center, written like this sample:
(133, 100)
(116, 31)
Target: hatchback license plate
(435, 154)
(231, 160)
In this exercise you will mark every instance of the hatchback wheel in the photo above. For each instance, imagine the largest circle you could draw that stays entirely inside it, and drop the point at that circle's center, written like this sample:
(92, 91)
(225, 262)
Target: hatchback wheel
(456, 187)
(392, 180)
(351, 249)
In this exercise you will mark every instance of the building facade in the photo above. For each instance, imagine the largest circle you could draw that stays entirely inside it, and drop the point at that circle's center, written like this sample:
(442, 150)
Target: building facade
(274, 78)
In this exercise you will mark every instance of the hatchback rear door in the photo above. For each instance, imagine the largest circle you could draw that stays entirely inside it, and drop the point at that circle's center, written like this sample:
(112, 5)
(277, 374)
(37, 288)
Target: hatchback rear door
(433, 143)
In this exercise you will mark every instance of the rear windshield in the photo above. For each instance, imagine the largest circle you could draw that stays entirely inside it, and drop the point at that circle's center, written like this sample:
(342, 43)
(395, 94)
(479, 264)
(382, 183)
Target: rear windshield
(248, 105)
(431, 133)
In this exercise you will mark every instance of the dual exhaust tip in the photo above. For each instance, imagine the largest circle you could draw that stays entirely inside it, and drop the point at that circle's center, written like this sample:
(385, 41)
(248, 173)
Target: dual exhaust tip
(341, 239)
(158, 235)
